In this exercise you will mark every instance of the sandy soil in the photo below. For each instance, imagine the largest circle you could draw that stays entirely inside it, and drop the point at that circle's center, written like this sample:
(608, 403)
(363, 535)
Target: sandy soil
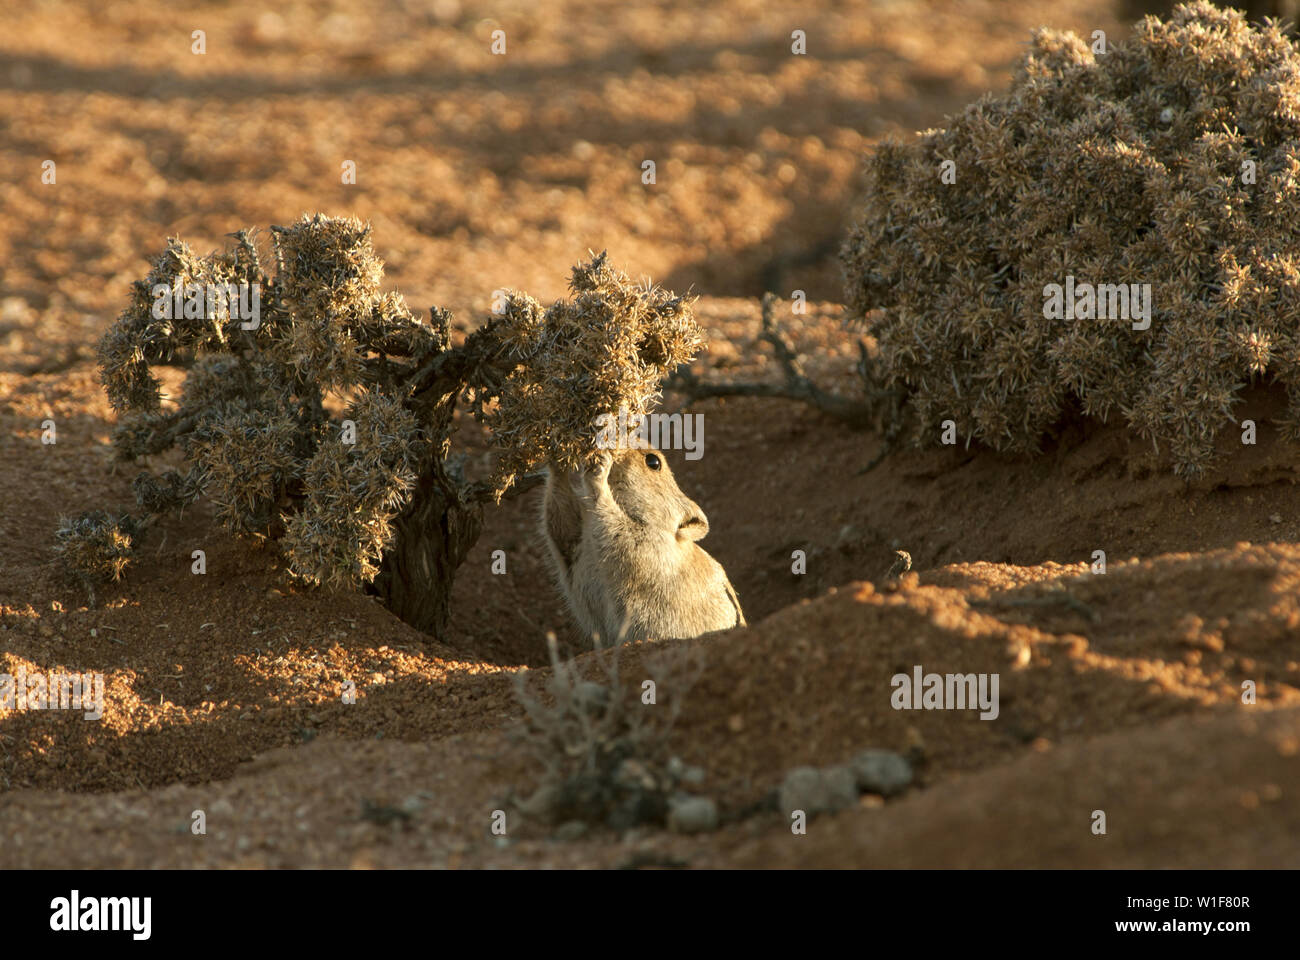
(1119, 691)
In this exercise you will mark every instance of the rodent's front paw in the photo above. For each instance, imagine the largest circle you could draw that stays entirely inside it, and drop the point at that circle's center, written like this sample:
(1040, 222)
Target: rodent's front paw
(595, 478)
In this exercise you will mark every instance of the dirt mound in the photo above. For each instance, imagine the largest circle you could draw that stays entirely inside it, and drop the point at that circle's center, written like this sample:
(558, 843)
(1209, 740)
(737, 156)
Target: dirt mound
(1194, 792)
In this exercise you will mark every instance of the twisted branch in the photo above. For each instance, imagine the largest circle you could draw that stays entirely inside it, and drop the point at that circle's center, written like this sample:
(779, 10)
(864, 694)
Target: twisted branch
(796, 386)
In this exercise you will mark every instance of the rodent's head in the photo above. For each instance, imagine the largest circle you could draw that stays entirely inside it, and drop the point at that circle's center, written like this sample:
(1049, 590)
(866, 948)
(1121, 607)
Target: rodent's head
(643, 485)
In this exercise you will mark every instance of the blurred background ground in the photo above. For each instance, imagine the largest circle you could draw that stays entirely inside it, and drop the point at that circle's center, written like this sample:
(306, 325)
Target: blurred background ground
(480, 172)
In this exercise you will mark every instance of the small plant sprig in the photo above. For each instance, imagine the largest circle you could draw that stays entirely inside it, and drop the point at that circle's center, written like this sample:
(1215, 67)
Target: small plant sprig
(604, 754)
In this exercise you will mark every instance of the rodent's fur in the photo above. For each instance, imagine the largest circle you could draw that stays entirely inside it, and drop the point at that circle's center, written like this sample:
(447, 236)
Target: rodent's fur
(621, 539)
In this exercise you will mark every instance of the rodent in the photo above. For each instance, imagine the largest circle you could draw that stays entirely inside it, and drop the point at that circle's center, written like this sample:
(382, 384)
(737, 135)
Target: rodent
(622, 544)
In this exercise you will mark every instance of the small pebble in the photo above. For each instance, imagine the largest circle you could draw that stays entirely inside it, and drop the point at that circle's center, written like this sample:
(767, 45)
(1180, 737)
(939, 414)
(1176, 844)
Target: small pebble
(841, 786)
(802, 790)
(689, 814)
(882, 772)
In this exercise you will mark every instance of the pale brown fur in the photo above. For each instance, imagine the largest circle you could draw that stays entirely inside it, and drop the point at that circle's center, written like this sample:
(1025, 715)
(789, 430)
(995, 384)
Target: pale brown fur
(621, 538)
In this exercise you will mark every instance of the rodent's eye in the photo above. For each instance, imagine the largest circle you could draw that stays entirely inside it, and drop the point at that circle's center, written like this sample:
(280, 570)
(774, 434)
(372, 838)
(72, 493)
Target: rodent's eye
(652, 461)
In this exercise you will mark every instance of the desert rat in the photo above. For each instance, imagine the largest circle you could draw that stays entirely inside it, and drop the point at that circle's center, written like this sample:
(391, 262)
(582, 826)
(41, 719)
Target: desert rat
(621, 537)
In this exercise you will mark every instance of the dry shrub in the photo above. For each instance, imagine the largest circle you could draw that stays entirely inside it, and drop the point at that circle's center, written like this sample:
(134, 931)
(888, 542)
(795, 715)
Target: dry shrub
(1125, 168)
(611, 345)
(96, 545)
(252, 424)
(340, 534)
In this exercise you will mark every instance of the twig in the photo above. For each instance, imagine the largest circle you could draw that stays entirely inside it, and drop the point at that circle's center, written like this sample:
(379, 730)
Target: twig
(481, 491)
(454, 368)
(1045, 600)
(797, 386)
